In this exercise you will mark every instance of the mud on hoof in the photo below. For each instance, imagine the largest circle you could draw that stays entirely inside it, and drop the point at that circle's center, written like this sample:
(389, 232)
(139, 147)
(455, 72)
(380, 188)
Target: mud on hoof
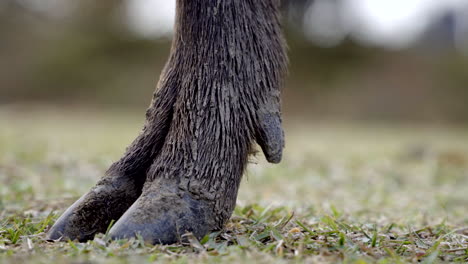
(163, 214)
(95, 210)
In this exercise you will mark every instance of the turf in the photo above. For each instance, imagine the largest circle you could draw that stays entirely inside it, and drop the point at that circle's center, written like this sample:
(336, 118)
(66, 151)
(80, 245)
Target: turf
(345, 193)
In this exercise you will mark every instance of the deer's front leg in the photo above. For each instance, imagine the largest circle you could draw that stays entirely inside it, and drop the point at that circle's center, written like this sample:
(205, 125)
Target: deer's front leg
(232, 65)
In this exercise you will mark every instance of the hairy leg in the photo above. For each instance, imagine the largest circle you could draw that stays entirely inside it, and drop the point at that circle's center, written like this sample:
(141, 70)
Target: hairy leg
(232, 66)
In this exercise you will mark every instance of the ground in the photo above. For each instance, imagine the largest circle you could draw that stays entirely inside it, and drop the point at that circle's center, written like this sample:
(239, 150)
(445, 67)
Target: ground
(345, 193)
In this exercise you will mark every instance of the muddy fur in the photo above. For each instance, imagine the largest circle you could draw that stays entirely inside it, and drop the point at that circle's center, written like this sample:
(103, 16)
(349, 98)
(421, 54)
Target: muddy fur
(230, 59)
(218, 94)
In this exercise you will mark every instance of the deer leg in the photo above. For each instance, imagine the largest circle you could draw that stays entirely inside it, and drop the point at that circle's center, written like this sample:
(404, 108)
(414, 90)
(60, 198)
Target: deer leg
(232, 65)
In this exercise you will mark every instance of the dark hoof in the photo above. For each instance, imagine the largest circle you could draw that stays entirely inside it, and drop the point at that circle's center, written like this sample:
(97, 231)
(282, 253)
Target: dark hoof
(94, 211)
(61, 230)
(161, 217)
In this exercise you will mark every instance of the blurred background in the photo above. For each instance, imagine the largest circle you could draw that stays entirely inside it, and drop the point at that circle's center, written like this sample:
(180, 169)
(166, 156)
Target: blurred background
(386, 60)
(375, 105)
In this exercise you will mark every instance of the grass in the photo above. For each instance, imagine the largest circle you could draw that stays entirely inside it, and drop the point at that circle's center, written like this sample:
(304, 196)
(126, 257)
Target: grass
(345, 193)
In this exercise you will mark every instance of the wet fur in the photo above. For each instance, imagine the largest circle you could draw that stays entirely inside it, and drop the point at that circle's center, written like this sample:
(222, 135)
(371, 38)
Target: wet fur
(219, 93)
(230, 59)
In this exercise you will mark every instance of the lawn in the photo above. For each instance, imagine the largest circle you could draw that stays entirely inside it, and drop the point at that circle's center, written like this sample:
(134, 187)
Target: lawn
(344, 193)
